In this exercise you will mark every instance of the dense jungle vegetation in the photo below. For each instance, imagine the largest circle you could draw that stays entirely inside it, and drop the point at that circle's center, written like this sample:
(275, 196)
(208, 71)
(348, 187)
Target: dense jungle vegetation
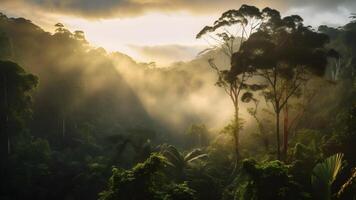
(75, 121)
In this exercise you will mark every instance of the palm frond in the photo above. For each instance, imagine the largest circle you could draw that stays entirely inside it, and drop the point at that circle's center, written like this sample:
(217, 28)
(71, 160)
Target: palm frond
(324, 174)
(173, 156)
(197, 157)
(348, 185)
(193, 153)
(328, 170)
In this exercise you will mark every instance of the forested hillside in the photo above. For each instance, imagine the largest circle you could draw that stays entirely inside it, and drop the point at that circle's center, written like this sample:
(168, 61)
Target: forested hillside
(266, 113)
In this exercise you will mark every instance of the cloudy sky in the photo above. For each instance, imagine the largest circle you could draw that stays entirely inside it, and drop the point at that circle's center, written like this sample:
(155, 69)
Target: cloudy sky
(159, 30)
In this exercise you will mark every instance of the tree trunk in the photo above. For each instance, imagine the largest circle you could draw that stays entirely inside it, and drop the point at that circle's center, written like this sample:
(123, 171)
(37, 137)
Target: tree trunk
(277, 134)
(285, 132)
(236, 132)
(63, 127)
(236, 139)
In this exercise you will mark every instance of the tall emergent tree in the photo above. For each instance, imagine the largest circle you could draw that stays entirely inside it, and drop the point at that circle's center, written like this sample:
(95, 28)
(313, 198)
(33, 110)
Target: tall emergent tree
(228, 33)
(285, 54)
(15, 103)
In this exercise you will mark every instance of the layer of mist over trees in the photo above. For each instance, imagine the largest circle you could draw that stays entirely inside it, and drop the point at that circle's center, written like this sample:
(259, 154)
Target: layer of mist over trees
(268, 112)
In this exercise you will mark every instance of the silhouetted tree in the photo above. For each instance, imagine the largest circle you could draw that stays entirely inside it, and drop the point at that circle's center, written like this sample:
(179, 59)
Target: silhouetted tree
(232, 29)
(79, 35)
(285, 54)
(15, 104)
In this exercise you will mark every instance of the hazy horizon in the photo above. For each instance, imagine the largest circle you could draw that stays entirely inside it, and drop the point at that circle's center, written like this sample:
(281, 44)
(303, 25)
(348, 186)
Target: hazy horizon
(134, 27)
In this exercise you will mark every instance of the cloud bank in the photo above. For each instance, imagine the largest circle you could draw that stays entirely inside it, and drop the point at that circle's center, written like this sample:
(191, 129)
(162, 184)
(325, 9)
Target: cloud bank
(165, 54)
(129, 8)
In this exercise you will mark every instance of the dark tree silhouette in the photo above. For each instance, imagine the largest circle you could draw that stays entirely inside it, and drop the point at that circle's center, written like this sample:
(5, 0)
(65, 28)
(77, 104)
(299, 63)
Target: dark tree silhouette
(231, 30)
(15, 103)
(285, 54)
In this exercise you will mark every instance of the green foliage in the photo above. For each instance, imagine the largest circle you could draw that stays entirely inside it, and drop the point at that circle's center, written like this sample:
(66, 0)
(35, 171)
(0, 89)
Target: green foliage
(324, 174)
(180, 192)
(138, 183)
(16, 88)
(34, 150)
(269, 180)
(28, 166)
(231, 127)
(343, 136)
(178, 164)
(305, 154)
(307, 145)
(15, 111)
(145, 181)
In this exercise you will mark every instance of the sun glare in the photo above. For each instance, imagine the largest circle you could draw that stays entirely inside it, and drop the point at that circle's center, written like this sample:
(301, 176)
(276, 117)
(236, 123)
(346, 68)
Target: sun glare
(148, 30)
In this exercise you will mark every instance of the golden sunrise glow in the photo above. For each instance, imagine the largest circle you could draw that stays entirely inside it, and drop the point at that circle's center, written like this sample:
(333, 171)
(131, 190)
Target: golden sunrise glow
(177, 99)
(127, 35)
(160, 28)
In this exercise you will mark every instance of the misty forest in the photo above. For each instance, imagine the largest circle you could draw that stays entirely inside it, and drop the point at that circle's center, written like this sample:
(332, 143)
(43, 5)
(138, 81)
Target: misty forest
(266, 112)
